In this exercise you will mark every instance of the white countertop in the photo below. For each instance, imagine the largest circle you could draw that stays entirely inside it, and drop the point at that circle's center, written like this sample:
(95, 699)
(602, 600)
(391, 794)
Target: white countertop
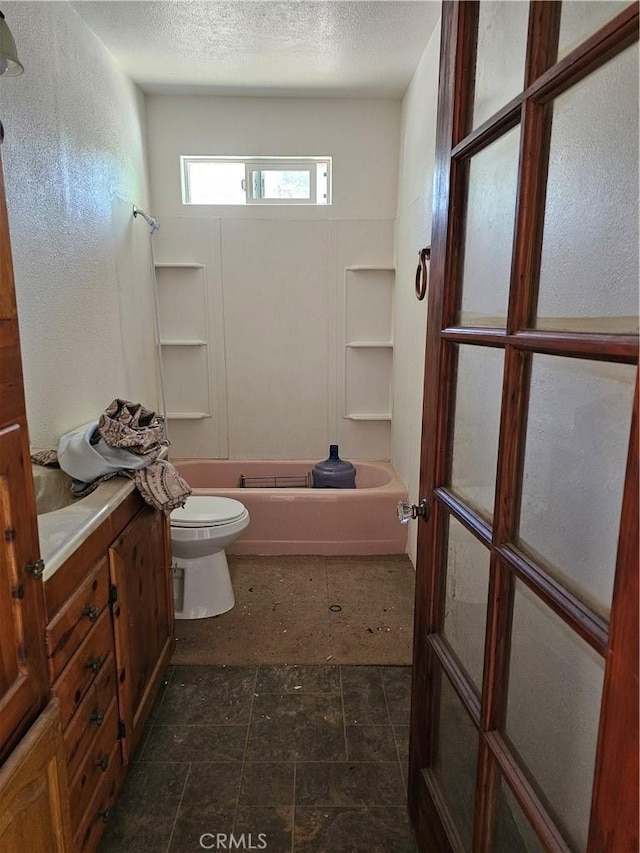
(62, 531)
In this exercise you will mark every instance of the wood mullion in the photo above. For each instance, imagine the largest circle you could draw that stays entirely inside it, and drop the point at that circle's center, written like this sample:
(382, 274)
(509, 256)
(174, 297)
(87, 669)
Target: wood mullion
(610, 40)
(614, 810)
(535, 137)
(589, 345)
(601, 347)
(581, 618)
(503, 762)
(604, 44)
(461, 684)
(490, 130)
(466, 515)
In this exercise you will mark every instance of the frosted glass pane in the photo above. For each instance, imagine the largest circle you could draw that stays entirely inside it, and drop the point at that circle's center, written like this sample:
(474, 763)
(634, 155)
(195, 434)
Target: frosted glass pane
(575, 459)
(589, 265)
(466, 596)
(491, 210)
(581, 18)
(513, 833)
(553, 709)
(454, 761)
(477, 423)
(502, 44)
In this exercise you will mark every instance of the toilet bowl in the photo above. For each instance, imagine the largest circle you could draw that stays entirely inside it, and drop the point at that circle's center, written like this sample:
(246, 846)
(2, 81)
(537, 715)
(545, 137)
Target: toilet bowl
(200, 531)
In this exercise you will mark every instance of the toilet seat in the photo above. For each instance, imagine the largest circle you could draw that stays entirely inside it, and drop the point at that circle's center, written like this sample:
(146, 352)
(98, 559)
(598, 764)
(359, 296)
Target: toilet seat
(207, 511)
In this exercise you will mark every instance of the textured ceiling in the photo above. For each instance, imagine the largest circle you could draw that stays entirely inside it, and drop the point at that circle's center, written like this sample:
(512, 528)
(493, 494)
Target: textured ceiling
(299, 48)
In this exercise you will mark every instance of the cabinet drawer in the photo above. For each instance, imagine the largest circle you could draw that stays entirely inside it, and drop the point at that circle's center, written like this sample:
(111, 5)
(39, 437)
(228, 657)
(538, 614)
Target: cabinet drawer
(100, 806)
(81, 671)
(75, 619)
(94, 766)
(90, 716)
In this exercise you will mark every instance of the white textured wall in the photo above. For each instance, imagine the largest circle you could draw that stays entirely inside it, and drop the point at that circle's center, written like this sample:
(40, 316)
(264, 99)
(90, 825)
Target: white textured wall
(74, 165)
(413, 232)
(277, 273)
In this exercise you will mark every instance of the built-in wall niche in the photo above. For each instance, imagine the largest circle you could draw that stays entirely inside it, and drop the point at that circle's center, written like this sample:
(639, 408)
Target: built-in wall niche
(368, 342)
(184, 339)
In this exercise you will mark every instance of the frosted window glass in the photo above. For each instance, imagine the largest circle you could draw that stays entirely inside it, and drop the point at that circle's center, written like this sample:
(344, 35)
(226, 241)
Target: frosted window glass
(575, 459)
(490, 222)
(513, 833)
(466, 596)
(553, 710)
(502, 44)
(477, 424)
(454, 761)
(581, 18)
(589, 265)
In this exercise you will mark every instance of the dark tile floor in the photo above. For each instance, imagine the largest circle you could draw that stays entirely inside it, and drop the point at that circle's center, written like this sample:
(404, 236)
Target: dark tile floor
(309, 759)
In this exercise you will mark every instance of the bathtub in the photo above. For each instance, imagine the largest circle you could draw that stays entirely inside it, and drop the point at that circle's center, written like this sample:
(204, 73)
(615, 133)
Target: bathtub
(304, 520)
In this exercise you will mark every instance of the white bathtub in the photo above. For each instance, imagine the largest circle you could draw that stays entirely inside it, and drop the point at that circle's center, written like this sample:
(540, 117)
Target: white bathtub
(305, 520)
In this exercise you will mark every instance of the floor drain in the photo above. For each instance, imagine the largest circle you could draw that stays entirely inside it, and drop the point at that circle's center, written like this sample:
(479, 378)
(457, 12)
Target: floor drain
(335, 608)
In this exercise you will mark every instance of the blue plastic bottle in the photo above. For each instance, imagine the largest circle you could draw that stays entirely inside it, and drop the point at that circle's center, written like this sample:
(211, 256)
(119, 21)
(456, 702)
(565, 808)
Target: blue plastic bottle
(334, 473)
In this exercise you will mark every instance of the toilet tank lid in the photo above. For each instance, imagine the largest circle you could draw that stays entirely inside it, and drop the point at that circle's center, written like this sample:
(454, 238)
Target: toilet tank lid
(207, 510)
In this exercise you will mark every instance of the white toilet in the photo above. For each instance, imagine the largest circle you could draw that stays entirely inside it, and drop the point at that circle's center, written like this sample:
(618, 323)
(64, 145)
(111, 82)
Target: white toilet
(200, 531)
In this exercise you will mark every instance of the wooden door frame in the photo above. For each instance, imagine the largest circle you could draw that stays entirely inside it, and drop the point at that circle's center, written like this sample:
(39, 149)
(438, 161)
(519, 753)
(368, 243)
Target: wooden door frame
(615, 798)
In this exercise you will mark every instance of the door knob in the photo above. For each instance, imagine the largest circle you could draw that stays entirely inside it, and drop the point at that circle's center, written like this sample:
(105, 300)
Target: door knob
(407, 511)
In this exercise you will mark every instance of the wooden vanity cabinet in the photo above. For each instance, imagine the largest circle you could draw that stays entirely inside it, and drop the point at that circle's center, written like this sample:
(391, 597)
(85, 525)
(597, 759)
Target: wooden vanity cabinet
(143, 617)
(23, 672)
(109, 638)
(34, 809)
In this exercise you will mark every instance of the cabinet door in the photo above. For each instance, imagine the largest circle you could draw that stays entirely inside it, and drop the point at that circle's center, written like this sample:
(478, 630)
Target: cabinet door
(33, 791)
(143, 617)
(22, 655)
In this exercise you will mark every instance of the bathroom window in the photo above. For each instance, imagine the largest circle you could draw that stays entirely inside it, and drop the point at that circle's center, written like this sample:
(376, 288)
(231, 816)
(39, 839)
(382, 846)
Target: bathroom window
(259, 180)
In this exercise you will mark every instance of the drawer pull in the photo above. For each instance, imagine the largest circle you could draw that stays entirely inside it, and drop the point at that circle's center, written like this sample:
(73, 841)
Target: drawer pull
(103, 763)
(95, 664)
(104, 813)
(91, 613)
(97, 717)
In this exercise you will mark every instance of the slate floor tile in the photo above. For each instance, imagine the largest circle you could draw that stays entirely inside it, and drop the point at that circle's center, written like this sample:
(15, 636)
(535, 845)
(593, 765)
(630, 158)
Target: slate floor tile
(371, 743)
(137, 832)
(396, 681)
(353, 830)
(267, 784)
(349, 784)
(287, 727)
(298, 679)
(271, 826)
(208, 695)
(195, 743)
(307, 759)
(364, 699)
(155, 792)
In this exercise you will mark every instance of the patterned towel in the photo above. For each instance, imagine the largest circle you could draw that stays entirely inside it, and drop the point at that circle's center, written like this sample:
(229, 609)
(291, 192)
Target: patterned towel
(139, 430)
(130, 425)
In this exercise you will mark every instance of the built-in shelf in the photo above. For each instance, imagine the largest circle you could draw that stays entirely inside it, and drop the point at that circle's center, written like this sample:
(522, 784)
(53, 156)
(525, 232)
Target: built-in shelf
(369, 345)
(184, 339)
(179, 266)
(368, 417)
(185, 343)
(366, 267)
(187, 416)
(368, 342)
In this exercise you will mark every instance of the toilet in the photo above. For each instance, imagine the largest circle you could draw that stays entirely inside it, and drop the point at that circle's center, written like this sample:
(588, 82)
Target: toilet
(200, 531)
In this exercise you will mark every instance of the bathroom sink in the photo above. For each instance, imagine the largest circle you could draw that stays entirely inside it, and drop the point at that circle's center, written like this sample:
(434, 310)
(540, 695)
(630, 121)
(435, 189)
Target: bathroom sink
(53, 489)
